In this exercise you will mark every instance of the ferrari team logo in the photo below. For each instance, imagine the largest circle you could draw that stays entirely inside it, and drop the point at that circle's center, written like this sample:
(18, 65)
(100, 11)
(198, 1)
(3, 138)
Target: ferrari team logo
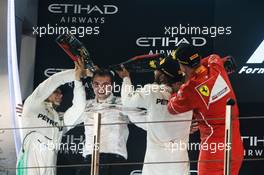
(204, 90)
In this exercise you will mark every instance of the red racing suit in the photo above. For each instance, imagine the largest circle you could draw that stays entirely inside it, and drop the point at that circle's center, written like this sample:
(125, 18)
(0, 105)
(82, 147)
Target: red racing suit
(206, 92)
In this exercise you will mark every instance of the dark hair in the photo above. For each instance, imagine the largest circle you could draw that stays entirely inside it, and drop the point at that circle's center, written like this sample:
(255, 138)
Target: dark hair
(103, 73)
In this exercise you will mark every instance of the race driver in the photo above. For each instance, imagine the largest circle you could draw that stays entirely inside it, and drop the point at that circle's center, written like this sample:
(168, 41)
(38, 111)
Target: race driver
(206, 91)
(167, 141)
(44, 125)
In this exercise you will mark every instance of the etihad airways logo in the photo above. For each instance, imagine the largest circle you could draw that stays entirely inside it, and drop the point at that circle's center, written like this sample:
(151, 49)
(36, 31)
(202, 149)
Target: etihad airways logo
(80, 8)
(256, 58)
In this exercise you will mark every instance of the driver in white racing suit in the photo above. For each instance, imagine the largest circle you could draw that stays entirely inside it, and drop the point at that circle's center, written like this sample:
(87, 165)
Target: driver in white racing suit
(43, 125)
(166, 141)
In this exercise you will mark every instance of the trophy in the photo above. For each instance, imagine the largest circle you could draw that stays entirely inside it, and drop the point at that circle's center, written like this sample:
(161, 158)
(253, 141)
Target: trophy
(75, 49)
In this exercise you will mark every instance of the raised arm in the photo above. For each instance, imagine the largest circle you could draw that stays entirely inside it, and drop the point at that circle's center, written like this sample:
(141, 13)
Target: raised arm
(181, 101)
(135, 98)
(45, 89)
(74, 113)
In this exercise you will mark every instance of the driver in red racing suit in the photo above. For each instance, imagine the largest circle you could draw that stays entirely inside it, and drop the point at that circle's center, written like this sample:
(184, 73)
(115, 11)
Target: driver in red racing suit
(206, 91)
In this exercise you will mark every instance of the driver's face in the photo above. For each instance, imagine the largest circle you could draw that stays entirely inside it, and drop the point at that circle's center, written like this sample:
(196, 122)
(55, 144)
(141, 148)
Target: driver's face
(102, 86)
(56, 97)
(183, 68)
(160, 77)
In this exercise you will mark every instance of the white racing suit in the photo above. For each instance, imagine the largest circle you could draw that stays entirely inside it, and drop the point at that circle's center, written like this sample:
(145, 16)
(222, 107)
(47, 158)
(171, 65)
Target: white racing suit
(166, 142)
(42, 140)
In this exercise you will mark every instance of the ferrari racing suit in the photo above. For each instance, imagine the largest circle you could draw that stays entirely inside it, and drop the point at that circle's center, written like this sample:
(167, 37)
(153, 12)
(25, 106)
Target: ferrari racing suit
(206, 92)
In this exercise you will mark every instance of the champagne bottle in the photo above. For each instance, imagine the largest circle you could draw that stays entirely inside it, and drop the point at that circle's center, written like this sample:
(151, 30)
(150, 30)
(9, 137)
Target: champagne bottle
(75, 49)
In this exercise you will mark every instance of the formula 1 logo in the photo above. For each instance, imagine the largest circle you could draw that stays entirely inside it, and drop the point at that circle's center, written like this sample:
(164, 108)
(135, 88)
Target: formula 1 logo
(258, 55)
(256, 58)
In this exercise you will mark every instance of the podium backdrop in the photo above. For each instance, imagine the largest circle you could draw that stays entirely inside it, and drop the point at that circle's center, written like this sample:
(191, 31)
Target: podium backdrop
(116, 30)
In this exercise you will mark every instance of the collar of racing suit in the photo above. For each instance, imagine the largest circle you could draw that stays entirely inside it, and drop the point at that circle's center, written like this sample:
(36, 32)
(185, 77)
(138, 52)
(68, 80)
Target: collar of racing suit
(109, 99)
(49, 107)
(48, 103)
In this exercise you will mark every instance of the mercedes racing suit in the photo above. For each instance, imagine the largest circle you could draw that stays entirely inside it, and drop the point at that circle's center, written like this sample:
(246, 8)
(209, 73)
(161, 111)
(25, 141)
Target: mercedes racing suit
(206, 92)
(166, 142)
(41, 140)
